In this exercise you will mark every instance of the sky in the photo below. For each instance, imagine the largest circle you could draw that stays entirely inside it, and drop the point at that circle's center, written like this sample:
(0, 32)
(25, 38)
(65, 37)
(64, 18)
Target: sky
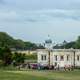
(34, 20)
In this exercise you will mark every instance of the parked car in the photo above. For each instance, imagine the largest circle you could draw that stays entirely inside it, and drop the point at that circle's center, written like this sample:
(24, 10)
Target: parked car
(33, 66)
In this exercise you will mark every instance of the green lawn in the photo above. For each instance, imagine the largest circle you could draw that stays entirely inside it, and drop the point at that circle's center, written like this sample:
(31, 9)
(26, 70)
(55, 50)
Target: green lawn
(39, 75)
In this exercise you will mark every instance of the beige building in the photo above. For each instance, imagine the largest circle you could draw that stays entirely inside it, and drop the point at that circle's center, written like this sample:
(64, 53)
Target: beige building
(59, 57)
(27, 52)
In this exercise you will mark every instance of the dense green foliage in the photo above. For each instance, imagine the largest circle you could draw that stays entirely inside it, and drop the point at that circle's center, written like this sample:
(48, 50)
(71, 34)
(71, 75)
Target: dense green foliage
(18, 58)
(31, 57)
(6, 40)
(7, 58)
(78, 43)
(68, 45)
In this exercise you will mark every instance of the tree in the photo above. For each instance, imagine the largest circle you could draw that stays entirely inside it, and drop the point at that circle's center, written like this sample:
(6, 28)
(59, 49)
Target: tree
(67, 45)
(19, 44)
(31, 57)
(78, 43)
(18, 58)
(70, 45)
(7, 40)
(5, 56)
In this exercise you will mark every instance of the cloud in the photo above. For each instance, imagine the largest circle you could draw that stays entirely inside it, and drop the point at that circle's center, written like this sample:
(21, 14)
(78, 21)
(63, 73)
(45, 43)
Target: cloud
(47, 4)
(39, 16)
(41, 4)
(51, 15)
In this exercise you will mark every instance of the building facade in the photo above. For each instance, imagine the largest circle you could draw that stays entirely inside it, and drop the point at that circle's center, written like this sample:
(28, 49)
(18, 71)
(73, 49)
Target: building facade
(59, 57)
(27, 52)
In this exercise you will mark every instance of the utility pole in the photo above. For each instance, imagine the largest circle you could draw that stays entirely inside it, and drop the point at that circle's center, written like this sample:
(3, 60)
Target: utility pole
(74, 58)
(48, 45)
(49, 57)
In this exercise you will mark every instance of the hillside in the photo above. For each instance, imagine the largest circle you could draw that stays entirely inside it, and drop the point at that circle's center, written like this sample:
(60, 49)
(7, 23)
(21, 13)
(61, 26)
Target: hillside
(7, 40)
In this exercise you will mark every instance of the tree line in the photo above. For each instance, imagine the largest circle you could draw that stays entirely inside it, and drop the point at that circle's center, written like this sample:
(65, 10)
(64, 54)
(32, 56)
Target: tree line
(7, 40)
(8, 43)
(68, 45)
(8, 58)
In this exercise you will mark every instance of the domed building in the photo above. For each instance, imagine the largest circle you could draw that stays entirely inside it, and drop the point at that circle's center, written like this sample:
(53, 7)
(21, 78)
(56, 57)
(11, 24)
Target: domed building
(58, 58)
(48, 44)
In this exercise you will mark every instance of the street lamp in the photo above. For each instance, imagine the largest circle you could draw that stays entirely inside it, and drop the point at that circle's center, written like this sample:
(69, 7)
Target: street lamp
(74, 55)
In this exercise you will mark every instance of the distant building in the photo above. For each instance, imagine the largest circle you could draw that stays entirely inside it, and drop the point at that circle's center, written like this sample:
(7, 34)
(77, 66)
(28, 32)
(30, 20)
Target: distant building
(27, 52)
(58, 57)
(61, 57)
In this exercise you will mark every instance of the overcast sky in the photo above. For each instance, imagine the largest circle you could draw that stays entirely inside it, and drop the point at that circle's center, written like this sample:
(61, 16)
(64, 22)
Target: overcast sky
(33, 20)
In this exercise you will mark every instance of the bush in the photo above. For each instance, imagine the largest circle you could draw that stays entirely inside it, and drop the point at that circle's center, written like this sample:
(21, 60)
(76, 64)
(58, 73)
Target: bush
(31, 57)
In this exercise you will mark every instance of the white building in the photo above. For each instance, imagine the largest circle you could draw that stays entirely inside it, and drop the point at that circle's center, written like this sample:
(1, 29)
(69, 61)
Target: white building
(58, 57)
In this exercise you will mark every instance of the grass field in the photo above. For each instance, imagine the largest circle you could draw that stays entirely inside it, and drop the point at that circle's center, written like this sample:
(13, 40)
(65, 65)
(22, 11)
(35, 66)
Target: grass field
(39, 75)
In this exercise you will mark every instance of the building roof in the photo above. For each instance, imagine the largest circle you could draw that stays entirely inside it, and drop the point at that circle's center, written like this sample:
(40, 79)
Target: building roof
(60, 50)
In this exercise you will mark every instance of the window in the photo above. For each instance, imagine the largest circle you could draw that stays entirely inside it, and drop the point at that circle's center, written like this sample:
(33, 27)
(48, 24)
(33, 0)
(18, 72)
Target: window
(68, 57)
(55, 57)
(77, 57)
(43, 57)
(61, 58)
